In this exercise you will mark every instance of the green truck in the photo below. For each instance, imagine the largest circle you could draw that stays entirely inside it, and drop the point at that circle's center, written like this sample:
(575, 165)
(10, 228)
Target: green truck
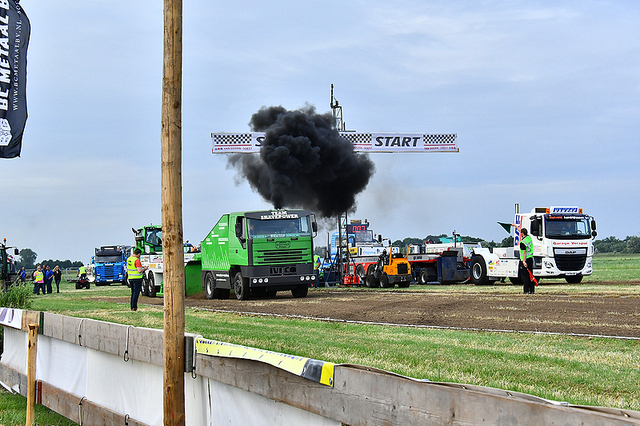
(256, 252)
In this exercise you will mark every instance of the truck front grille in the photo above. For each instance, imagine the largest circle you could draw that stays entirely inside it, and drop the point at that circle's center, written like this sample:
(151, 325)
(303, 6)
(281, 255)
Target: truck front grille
(403, 269)
(281, 257)
(570, 262)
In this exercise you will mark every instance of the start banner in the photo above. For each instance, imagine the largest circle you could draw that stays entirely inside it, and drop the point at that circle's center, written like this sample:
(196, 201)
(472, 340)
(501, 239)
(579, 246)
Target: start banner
(14, 40)
(365, 142)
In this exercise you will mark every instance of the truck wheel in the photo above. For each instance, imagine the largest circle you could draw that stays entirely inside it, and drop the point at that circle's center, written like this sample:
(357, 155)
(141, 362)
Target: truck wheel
(384, 281)
(370, 279)
(300, 291)
(152, 285)
(573, 279)
(211, 290)
(145, 286)
(240, 287)
(361, 274)
(209, 286)
(478, 271)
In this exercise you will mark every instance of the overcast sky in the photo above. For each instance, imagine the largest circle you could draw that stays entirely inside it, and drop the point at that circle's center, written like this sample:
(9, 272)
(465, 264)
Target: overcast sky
(543, 95)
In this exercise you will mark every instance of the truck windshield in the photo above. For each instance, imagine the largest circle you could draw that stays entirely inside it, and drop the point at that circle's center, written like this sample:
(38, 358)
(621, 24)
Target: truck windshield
(154, 236)
(567, 227)
(279, 228)
(107, 259)
(364, 237)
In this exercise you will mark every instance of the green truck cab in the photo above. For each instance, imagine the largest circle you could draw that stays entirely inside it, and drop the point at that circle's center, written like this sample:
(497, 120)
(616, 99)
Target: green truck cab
(259, 252)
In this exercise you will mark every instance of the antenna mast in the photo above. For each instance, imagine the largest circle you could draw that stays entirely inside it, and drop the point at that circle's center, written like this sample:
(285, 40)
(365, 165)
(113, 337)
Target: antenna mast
(336, 108)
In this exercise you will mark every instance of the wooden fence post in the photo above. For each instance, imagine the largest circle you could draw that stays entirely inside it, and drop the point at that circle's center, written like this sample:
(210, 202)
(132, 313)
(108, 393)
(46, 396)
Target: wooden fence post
(32, 353)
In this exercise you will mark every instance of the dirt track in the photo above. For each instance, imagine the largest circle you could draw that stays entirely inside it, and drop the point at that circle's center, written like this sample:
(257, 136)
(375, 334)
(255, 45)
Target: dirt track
(608, 314)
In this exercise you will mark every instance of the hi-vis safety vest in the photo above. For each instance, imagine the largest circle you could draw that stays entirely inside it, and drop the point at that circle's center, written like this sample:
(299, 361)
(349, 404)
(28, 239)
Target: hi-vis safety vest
(132, 271)
(316, 262)
(528, 242)
(39, 277)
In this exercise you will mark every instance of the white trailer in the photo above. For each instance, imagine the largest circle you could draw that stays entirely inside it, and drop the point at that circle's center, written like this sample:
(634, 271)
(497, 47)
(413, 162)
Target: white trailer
(562, 247)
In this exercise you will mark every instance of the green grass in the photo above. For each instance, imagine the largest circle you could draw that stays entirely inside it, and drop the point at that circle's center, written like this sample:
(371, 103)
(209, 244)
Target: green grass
(13, 412)
(585, 371)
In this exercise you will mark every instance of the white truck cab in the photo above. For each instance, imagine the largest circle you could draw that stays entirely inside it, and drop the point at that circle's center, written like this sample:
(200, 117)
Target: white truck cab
(562, 247)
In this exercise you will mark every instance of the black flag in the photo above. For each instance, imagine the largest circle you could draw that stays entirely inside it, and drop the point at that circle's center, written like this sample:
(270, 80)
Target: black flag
(14, 39)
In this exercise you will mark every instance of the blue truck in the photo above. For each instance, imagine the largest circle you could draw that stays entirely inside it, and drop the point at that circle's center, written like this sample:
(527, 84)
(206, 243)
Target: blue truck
(110, 264)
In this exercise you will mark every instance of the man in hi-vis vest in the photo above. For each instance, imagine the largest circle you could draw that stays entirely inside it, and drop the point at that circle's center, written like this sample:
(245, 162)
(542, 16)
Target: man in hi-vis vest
(135, 271)
(526, 254)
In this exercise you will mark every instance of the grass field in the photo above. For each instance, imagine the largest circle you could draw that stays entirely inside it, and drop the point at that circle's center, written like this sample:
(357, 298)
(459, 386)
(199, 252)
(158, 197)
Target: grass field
(585, 371)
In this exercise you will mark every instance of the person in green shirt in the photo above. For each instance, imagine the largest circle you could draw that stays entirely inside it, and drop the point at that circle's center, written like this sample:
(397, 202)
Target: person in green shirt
(526, 256)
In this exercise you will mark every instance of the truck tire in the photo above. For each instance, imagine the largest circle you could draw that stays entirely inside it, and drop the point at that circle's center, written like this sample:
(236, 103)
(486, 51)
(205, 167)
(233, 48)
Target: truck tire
(361, 274)
(478, 272)
(300, 291)
(211, 290)
(370, 279)
(573, 279)
(384, 281)
(152, 285)
(145, 286)
(241, 287)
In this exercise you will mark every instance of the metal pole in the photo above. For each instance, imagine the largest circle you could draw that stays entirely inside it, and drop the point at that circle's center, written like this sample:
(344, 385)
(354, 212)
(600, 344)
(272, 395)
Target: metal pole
(173, 274)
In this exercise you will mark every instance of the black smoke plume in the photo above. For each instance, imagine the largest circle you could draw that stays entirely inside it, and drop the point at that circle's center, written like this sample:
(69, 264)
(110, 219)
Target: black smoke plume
(304, 163)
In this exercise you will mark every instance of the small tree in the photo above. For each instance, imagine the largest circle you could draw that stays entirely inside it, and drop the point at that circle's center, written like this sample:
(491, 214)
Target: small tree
(27, 258)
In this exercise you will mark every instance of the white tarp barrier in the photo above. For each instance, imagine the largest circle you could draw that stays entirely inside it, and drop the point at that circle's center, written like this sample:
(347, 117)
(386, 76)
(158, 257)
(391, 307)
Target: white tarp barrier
(233, 406)
(15, 351)
(250, 142)
(62, 364)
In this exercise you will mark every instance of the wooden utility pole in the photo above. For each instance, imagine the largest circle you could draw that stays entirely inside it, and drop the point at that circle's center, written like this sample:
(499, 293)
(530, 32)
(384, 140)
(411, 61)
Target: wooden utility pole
(173, 274)
(32, 352)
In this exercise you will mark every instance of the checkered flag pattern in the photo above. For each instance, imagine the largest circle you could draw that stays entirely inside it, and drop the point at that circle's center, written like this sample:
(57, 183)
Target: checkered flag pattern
(231, 138)
(357, 138)
(439, 139)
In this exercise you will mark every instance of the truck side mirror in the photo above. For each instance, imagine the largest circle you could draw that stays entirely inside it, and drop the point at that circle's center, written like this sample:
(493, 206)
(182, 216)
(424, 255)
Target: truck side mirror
(593, 224)
(380, 238)
(535, 226)
(240, 231)
(16, 252)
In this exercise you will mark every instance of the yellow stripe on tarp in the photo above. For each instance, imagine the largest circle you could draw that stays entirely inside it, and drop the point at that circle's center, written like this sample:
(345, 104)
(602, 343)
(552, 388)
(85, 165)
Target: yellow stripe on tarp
(309, 368)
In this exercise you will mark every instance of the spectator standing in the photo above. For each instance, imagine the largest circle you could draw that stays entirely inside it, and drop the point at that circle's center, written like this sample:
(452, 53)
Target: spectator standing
(526, 255)
(57, 275)
(135, 272)
(23, 275)
(48, 280)
(38, 280)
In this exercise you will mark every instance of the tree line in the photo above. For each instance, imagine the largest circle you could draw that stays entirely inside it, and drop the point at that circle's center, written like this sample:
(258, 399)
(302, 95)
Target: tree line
(28, 260)
(631, 244)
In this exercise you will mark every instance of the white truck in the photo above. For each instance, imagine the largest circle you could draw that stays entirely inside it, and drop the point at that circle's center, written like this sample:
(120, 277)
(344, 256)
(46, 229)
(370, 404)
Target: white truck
(562, 247)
